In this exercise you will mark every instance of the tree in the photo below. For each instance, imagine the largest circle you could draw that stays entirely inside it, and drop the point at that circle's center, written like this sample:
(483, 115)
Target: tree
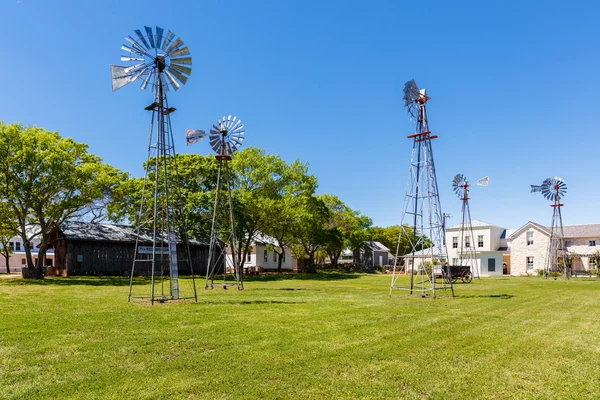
(47, 179)
(310, 232)
(346, 228)
(296, 187)
(7, 232)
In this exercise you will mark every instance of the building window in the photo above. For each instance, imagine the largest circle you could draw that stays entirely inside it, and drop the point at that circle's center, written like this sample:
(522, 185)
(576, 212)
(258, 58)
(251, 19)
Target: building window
(529, 238)
(266, 258)
(11, 245)
(592, 242)
(568, 243)
(30, 245)
(23, 261)
(248, 257)
(479, 240)
(529, 262)
(454, 242)
(592, 262)
(17, 246)
(274, 257)
(491, 265)
(467, 241)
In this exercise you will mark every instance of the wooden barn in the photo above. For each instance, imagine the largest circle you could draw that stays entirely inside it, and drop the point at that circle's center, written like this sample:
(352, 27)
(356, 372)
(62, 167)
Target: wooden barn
(85, 248)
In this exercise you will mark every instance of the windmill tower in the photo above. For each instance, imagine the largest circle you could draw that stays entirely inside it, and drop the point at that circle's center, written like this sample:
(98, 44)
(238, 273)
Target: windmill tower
(225, 137)
(466, 238)
(554, 189)
(422, 219)
(160, 61)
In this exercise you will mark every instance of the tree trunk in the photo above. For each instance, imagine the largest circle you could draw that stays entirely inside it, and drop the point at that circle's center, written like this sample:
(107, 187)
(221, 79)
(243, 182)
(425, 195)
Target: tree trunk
(279, 259)
(7, 259)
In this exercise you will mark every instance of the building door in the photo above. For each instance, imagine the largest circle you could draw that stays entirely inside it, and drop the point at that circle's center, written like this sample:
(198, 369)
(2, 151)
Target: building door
(491, 265)
(380, 260)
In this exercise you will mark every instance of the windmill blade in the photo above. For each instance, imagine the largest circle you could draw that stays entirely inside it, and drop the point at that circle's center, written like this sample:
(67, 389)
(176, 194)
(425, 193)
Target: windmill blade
(183, 60)
(150, 36)
(159, 36)
(181, 68)
(168, 37)
(483, 181)
(176, 74)
(136, 46)
(146, 80)
(119, 77)
(184, 51)
(138, 74)
(142, 38)
(128, 58)
(173, 46)
(172, 80)
(132, 68)
(132, 50)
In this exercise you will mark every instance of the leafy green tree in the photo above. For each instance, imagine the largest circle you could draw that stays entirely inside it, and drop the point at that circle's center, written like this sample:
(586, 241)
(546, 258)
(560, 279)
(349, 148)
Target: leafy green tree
(346, 228)
(47, 179)
(285, 208)
(390, 235)
(7, 232)
(310, 232)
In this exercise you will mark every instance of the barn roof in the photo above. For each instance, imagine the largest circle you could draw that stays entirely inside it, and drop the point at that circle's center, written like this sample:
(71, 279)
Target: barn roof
(77, 230)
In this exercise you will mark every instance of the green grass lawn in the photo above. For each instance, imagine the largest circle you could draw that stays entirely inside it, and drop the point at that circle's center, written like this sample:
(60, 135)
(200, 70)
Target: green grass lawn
(325, 336)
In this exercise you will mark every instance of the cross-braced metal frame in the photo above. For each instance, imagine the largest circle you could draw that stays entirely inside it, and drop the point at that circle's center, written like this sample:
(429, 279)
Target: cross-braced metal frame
(466, 254)
(422, 219)
(556, 257)
(159, 258)
(223, 224)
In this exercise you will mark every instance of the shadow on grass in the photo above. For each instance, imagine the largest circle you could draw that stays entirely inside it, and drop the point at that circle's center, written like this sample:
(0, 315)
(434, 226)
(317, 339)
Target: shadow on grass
(248, 302)
(488, 296)
(75, 281)
(293, 276)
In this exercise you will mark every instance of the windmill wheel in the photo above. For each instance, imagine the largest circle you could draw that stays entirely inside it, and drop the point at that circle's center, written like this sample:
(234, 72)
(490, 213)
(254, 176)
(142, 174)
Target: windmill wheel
(227, 135)
(152, 54)
(554, 188)
(458, 185)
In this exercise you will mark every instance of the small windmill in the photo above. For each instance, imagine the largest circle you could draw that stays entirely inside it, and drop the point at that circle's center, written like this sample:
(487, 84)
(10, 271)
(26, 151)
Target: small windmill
(554, 189)
(159, 60)
(422, 219)
(466, 251)
(225, 137)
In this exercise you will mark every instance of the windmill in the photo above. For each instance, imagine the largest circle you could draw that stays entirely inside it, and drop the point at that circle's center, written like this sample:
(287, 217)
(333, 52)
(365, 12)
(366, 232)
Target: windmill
(554, 189)
(466, 248)
(422, 219)
(225, 137)
(161, 61)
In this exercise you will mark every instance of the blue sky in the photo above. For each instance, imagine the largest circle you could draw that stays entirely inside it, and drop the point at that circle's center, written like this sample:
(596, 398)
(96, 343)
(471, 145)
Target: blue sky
(513, 88)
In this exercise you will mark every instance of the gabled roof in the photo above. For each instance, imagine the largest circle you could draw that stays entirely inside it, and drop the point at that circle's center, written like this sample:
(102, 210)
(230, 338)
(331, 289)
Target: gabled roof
(539, 227)
(376, 246)
(427, 253)
(77, 230)
(569, 231)
(506, 233)
(581, 231)
(475, 223)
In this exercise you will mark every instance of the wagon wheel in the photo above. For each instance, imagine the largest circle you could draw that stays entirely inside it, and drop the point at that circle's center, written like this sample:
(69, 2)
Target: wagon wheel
(467, 277)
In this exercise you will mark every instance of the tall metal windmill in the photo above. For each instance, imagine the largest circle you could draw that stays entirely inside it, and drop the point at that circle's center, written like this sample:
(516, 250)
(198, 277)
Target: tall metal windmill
(554, 189)
(161, 61)
(422, 219)
(466, 248)
(226, 137)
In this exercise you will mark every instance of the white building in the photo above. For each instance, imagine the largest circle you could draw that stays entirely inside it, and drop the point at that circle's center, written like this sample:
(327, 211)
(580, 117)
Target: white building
(529, 247)
(18, 260)
(263, 259)
(488, 243)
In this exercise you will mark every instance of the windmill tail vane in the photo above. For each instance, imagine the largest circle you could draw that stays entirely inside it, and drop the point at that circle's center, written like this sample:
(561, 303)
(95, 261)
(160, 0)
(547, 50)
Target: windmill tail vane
(536, 188)
(483, 181)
